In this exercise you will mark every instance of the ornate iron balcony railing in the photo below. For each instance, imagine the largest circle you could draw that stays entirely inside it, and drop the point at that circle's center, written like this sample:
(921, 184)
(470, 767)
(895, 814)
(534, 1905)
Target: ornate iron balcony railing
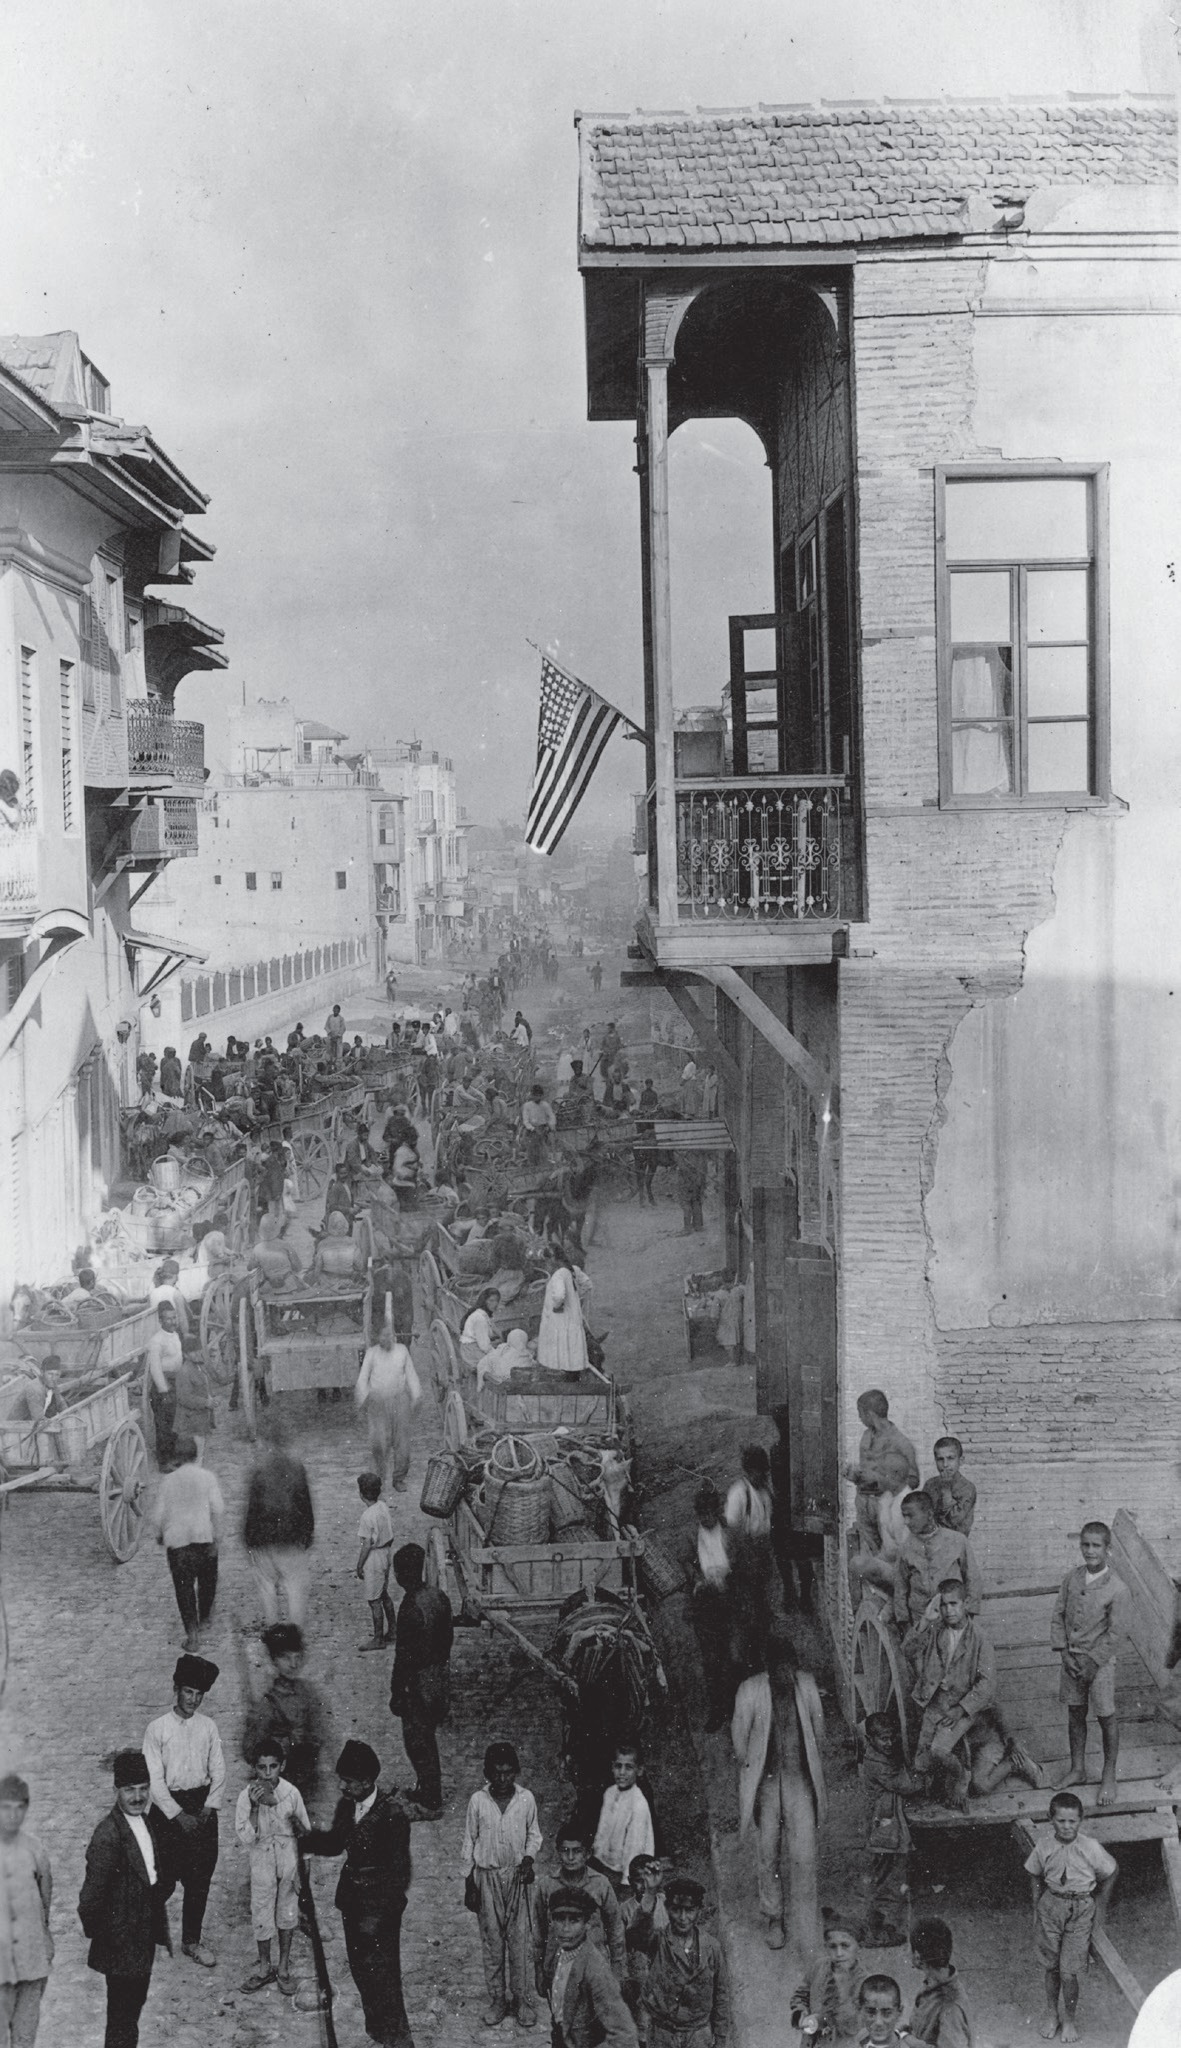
(18, 863)
(765, 847)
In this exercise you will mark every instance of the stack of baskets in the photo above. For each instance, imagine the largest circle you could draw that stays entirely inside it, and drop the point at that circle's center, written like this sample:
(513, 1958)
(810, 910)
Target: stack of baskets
(516, 1493)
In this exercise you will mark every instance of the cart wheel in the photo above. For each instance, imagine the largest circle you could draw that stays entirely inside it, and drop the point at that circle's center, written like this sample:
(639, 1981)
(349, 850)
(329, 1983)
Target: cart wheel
(430, 1285)
(217, 1338)
(454, 1421)
(313, 1163)
(444, 1360)
(435, 1568)
(122, 1489)
(240, 1216)
(877, 1671)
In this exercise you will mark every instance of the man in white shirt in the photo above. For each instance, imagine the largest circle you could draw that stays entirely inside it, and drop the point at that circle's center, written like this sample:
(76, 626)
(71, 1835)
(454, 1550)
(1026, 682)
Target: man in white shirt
(187, 1517)
(187, 1771)
(164, 1354)
(388, 1390)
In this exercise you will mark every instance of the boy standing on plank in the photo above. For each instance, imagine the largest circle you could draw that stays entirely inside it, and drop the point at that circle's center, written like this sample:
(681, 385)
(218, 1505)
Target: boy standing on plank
(1085, 1629)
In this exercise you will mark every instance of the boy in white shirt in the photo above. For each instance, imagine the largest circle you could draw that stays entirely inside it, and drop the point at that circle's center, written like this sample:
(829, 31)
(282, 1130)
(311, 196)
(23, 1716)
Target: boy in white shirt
(625, 1819)
(376, 1532)
(269, 1819)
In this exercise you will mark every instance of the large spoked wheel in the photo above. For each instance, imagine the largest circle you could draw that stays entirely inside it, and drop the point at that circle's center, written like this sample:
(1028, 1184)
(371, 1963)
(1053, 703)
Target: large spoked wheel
(147, 1420)
(313, 1163)
(878, 1684)
(454, 1421)
(444, 1360)
(247, 1389)
(217, 1336)
(122, 1489)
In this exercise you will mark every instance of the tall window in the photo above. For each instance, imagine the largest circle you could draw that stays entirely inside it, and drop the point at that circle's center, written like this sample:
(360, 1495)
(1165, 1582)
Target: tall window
(28, 725)
(276, 878)
(1022, 634)
(342, 878)
(69, 795)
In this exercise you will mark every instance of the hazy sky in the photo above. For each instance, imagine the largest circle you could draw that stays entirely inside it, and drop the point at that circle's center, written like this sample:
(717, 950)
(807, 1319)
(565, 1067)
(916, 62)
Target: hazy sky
(327, 252)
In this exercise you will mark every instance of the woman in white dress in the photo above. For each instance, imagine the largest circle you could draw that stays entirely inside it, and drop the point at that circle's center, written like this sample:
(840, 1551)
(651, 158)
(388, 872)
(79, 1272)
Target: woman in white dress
(477, 1336)
(561, 1341)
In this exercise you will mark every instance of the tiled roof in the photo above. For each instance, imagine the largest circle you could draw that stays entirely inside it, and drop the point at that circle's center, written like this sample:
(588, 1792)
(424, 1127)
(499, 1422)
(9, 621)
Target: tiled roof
(794, 176)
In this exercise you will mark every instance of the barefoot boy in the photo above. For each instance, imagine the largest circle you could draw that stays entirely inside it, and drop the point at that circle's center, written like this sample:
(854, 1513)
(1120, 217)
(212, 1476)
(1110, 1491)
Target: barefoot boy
(1071, 1876)
(269, 1819)
(1086, 1626)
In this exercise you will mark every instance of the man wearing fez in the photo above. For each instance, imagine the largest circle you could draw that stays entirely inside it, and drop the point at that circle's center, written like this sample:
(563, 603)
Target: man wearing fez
(122, 1904)
(372, 1831)
(188, 1773)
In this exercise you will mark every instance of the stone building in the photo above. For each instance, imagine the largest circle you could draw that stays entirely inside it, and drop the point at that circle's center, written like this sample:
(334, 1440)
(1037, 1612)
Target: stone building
(107, 780)
(914, 877)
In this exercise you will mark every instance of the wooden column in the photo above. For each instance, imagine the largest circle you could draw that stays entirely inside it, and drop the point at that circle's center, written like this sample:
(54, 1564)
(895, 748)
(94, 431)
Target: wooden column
(664, 720)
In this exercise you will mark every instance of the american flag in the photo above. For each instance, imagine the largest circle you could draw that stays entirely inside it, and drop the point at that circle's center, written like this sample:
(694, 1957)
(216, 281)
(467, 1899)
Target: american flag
(574, 727)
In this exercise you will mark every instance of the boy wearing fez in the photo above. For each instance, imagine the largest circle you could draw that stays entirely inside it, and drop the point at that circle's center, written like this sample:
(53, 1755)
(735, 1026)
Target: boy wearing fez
(187, 1773)
(122, 1904)
(371, 1830)
(685, 2002)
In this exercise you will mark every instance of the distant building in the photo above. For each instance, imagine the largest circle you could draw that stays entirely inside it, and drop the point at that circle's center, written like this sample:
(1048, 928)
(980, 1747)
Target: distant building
(434, 880)
(280, 899)
(108, 782)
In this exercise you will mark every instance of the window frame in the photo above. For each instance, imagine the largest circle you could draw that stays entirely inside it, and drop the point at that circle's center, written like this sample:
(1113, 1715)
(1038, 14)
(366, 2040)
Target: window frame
(1097, 475)
(252, 880)
(342, 877)
(276, 879)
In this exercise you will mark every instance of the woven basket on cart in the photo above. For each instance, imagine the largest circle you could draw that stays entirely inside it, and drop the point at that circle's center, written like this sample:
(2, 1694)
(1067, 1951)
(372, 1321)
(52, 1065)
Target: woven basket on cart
(516, 1493)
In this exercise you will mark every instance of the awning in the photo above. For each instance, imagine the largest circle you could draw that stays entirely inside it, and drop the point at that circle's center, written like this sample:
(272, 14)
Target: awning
(175, 955)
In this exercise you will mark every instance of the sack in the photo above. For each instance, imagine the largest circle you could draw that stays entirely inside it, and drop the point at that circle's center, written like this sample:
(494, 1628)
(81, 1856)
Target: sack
(885, 1837)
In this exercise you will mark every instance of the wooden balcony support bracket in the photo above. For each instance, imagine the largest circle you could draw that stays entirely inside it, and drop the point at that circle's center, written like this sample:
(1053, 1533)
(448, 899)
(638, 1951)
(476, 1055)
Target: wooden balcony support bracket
(676, 989)
(824, 1091)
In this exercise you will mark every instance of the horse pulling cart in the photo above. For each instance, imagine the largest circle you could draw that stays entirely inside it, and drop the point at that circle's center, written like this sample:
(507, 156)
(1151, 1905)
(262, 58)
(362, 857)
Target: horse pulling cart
(49, 1434)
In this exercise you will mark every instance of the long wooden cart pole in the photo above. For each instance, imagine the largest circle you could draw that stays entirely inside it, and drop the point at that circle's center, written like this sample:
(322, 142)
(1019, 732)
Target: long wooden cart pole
(323, 1980)
(500, 1621)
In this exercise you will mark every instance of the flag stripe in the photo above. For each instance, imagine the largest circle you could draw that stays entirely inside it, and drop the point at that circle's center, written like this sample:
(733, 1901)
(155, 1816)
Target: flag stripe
(549, 770)
(552, 792)
(588, 736)
(574, 725)
(577, 790)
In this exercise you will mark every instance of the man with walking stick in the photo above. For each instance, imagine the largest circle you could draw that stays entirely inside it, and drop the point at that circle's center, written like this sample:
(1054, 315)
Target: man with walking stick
(372, 1831)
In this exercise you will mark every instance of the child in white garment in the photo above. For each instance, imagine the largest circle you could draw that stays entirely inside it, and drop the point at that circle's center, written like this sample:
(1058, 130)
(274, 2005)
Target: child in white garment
(268, 1821)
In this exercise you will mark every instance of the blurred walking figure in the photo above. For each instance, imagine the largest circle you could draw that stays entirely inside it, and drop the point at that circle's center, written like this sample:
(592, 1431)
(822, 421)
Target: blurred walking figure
(388, 1391)
(26, 1894)
(279, 1526)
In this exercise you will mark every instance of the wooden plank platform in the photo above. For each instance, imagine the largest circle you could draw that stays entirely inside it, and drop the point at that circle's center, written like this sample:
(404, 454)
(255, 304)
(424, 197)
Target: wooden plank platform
(1136, 1798)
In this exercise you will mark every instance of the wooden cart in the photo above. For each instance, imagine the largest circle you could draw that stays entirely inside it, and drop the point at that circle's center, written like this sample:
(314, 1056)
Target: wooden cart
(292, 1340)
(316, 1133)
(533, 1577)
(36, 1447)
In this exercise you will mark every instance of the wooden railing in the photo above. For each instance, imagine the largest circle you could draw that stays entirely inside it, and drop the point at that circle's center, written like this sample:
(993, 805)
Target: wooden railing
(162, 748)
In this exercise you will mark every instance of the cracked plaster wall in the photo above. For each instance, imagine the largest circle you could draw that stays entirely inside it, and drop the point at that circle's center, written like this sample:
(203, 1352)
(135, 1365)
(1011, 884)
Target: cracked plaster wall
(1010, 1051)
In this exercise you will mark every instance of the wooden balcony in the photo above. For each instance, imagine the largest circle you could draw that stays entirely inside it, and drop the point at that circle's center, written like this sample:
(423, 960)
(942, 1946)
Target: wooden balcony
(766, 870)
(162, 750)
(164, 830)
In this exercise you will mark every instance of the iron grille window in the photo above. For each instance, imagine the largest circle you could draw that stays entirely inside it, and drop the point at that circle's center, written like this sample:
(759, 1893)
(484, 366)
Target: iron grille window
(1022, 635)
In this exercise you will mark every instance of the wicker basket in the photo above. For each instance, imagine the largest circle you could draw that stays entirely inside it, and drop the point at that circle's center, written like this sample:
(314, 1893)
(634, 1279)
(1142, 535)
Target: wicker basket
(660, 1574)
(443, 1484)
(518, 1510)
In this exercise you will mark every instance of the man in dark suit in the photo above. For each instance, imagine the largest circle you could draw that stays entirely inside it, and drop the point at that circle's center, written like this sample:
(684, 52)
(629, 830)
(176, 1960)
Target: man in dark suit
(419, 1683)
(585, 2001)
(122, 1906)
(372, 1831)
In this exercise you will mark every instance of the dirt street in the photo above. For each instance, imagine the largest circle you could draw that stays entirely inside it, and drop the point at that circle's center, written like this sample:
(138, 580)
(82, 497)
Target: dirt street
(93, 1646)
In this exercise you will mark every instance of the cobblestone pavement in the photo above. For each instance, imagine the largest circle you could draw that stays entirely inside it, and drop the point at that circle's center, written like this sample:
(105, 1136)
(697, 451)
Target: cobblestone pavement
(93, 1646)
